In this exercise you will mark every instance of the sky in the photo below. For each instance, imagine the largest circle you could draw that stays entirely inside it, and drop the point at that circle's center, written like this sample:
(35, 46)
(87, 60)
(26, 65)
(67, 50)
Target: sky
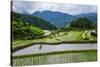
(72, 9)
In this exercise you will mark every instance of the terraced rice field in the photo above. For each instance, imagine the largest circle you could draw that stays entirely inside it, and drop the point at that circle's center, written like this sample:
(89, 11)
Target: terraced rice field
(55, 58)
(71, 36)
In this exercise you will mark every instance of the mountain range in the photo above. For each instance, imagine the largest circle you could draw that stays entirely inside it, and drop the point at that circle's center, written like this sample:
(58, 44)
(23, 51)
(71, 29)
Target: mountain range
(57, 18)
(61, 19)
(51, 19)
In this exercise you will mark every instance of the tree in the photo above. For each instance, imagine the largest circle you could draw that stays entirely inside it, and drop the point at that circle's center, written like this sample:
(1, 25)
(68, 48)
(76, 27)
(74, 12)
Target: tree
(82, 23)
(22, 30)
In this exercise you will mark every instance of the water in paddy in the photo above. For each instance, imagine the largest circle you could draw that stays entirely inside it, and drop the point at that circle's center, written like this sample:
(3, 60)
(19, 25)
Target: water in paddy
(44, 48)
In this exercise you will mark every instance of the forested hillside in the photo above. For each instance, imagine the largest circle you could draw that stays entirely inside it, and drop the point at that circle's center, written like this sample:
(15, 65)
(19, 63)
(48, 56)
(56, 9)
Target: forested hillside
(28, 27)
(36, 21)
(83, 23)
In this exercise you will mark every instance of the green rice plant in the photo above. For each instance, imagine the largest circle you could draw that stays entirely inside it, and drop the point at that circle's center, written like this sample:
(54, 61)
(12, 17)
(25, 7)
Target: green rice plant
(56, 57)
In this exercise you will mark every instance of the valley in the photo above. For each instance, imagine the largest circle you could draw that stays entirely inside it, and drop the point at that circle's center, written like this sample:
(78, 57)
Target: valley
(36, 38)
(53, 33)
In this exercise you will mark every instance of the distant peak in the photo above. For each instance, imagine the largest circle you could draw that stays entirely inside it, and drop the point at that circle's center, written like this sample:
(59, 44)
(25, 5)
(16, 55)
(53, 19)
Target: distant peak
(49, 12)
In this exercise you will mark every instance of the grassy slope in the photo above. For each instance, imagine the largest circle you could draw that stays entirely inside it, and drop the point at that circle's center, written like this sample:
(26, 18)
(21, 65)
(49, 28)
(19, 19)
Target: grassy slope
(70, 36)
(56, 57)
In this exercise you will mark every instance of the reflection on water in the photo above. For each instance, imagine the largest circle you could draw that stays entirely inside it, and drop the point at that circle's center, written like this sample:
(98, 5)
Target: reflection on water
(40, 46)
(43, 48)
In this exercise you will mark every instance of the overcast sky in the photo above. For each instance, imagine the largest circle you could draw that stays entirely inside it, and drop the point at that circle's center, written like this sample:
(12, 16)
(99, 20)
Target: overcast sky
(73, 9)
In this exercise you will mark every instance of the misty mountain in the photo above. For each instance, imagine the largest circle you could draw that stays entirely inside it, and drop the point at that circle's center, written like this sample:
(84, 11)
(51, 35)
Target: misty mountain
(57, 18)
(61, 19)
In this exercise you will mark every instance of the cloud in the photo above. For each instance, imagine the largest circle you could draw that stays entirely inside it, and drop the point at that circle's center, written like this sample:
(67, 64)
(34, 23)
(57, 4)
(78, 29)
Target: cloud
(73, 9)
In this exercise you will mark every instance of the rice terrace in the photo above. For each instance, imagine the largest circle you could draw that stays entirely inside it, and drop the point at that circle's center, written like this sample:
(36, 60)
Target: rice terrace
(53, 33)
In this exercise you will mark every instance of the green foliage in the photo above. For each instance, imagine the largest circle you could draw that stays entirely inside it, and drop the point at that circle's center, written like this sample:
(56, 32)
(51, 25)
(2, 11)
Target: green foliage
(22, 30)
(82, 23)
(94, 34)
(64, 29)
(38, 22)
(55, 57)
(28, 27)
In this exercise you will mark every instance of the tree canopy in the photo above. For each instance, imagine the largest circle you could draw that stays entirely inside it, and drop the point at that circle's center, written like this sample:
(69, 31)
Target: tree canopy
(82, 23)
(22, 30)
